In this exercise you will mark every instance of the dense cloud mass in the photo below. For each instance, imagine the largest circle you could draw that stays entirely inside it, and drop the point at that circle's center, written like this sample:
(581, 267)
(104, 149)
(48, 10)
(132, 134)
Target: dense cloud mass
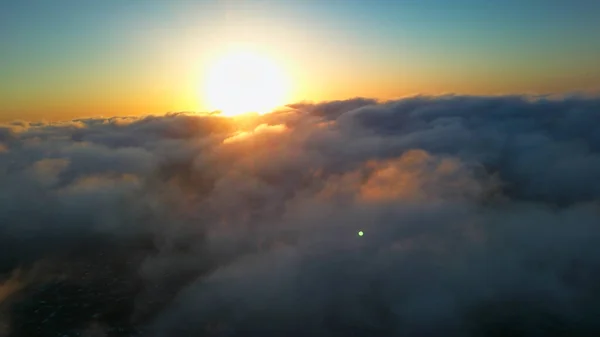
(481, 217)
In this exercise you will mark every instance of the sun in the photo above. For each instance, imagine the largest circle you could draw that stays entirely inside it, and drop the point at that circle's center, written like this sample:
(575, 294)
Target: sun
(245, 81)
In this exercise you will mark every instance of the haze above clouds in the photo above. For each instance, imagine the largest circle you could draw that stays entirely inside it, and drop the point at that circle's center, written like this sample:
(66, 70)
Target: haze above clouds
(480, 216)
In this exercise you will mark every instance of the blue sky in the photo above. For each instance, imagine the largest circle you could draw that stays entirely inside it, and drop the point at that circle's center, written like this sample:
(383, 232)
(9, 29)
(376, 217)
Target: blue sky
(27, 26)
(53, 48)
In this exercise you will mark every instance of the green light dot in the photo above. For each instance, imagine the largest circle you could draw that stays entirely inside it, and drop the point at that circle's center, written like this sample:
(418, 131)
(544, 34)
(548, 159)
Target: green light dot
(361, 233)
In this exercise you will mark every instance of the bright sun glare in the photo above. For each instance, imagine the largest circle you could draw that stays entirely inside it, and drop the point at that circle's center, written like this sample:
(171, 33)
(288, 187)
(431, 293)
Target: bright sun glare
(244, 81)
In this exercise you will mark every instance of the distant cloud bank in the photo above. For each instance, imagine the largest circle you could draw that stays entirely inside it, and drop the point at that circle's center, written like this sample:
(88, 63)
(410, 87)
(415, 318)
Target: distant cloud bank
(481, 217)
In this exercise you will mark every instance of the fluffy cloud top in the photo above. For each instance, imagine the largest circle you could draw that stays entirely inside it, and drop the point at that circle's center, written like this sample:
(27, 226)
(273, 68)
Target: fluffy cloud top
(481, 218)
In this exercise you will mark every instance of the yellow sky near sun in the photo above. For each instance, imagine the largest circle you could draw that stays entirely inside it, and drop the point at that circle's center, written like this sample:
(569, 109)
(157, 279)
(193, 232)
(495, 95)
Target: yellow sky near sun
(157, 61)
(316, 70)
(160, 95)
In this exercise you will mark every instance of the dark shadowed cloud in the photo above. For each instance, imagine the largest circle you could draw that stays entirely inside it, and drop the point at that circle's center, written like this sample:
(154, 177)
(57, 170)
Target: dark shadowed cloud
(480, 216)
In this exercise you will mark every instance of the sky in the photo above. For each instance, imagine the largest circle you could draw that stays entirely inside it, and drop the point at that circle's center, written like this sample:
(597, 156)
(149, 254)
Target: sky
(85, 58)
(423, 125)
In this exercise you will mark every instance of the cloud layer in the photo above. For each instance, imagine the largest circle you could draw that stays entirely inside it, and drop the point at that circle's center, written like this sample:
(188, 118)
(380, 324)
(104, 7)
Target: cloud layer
(480, 216)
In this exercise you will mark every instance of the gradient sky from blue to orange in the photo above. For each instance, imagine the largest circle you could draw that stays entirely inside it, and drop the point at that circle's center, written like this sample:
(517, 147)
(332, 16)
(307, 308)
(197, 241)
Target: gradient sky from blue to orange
(62, 59)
